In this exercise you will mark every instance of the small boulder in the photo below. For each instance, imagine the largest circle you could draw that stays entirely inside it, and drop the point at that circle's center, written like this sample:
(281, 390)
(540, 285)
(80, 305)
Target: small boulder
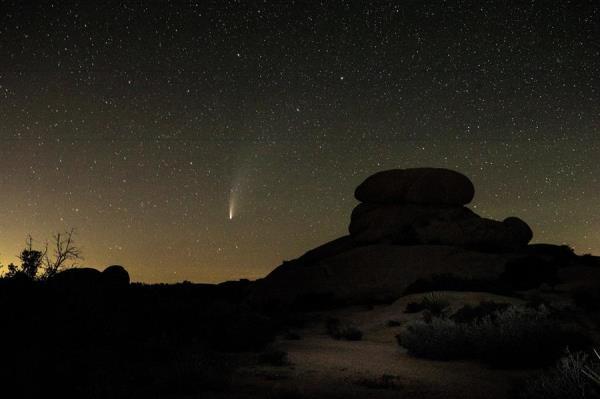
(115, 276)
(521, 231)
(78, 278)
(434, 186)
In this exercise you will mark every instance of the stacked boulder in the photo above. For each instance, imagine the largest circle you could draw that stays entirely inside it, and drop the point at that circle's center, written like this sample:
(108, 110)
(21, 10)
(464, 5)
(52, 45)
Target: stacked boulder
(426, 206)
(410, 224)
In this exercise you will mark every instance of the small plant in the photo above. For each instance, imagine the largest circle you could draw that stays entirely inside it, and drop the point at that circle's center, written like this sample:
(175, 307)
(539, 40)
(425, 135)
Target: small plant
(31, 259)
(574, 376)
(469, 313)
(439, 339)
(436, 305)
(343, 330)
(592, 372)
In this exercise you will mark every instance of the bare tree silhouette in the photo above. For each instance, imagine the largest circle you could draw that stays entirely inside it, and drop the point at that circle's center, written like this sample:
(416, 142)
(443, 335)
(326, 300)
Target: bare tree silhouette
(61, 254)
(64, 255)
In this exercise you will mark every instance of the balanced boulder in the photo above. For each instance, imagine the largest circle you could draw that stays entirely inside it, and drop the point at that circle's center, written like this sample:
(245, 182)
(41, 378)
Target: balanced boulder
(418, 185)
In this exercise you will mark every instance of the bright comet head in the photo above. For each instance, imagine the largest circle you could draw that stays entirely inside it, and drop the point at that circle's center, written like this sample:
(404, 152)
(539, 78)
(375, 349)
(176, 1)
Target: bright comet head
(231, 208)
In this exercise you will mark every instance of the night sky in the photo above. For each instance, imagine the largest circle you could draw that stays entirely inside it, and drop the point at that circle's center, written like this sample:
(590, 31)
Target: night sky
(146, 125)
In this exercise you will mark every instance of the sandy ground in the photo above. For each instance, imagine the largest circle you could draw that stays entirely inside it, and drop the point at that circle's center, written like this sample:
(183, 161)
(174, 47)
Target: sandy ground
(324, 367)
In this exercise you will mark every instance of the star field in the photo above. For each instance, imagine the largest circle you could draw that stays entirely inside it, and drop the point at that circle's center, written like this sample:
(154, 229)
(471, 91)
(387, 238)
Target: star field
(135, 121)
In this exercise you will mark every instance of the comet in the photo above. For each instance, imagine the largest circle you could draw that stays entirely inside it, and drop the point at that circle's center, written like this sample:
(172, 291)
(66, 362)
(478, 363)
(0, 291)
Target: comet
(232, 202)
(231, 208)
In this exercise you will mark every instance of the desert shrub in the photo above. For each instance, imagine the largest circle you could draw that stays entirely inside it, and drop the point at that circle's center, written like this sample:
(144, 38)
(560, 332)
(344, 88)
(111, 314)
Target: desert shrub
(440, 339)
(338, 329)
(537, 301)
(434, 303)
(274, 357)
(524, 337)
(515, 337)
(569, 379)
(592, 371)
(469, 313)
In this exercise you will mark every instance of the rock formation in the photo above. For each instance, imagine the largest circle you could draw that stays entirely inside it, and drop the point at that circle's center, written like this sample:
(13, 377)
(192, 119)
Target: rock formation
(417, 185)
(425, 206)
(90, 279)
(82, 278)
(410, 224)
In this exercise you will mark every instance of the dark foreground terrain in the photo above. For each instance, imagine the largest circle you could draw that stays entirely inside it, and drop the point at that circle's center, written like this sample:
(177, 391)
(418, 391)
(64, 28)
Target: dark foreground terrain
(87, 338)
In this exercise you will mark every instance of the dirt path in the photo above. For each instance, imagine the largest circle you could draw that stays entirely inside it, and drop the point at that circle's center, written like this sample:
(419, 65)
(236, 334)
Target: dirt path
(375, 367)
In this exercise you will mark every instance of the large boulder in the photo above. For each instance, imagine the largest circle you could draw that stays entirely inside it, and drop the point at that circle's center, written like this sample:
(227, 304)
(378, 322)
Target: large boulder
(78, 278)
(432, 186)
(396, 223)
(511, 234)
(406, 224)
(372, 273)
(115, 276)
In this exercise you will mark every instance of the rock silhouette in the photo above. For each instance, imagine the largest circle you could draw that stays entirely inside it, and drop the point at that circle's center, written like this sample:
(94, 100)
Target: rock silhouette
(87, 279)
(411, 224)
(417, 185)
(115, 276)
(79, 278)
(425, 206)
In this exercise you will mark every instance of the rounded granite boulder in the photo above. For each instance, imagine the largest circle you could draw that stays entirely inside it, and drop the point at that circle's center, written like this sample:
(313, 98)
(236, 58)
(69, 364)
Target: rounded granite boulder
(432, 186)
(396, 223)
(512, 234)
(77, 278)
(115, 276)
